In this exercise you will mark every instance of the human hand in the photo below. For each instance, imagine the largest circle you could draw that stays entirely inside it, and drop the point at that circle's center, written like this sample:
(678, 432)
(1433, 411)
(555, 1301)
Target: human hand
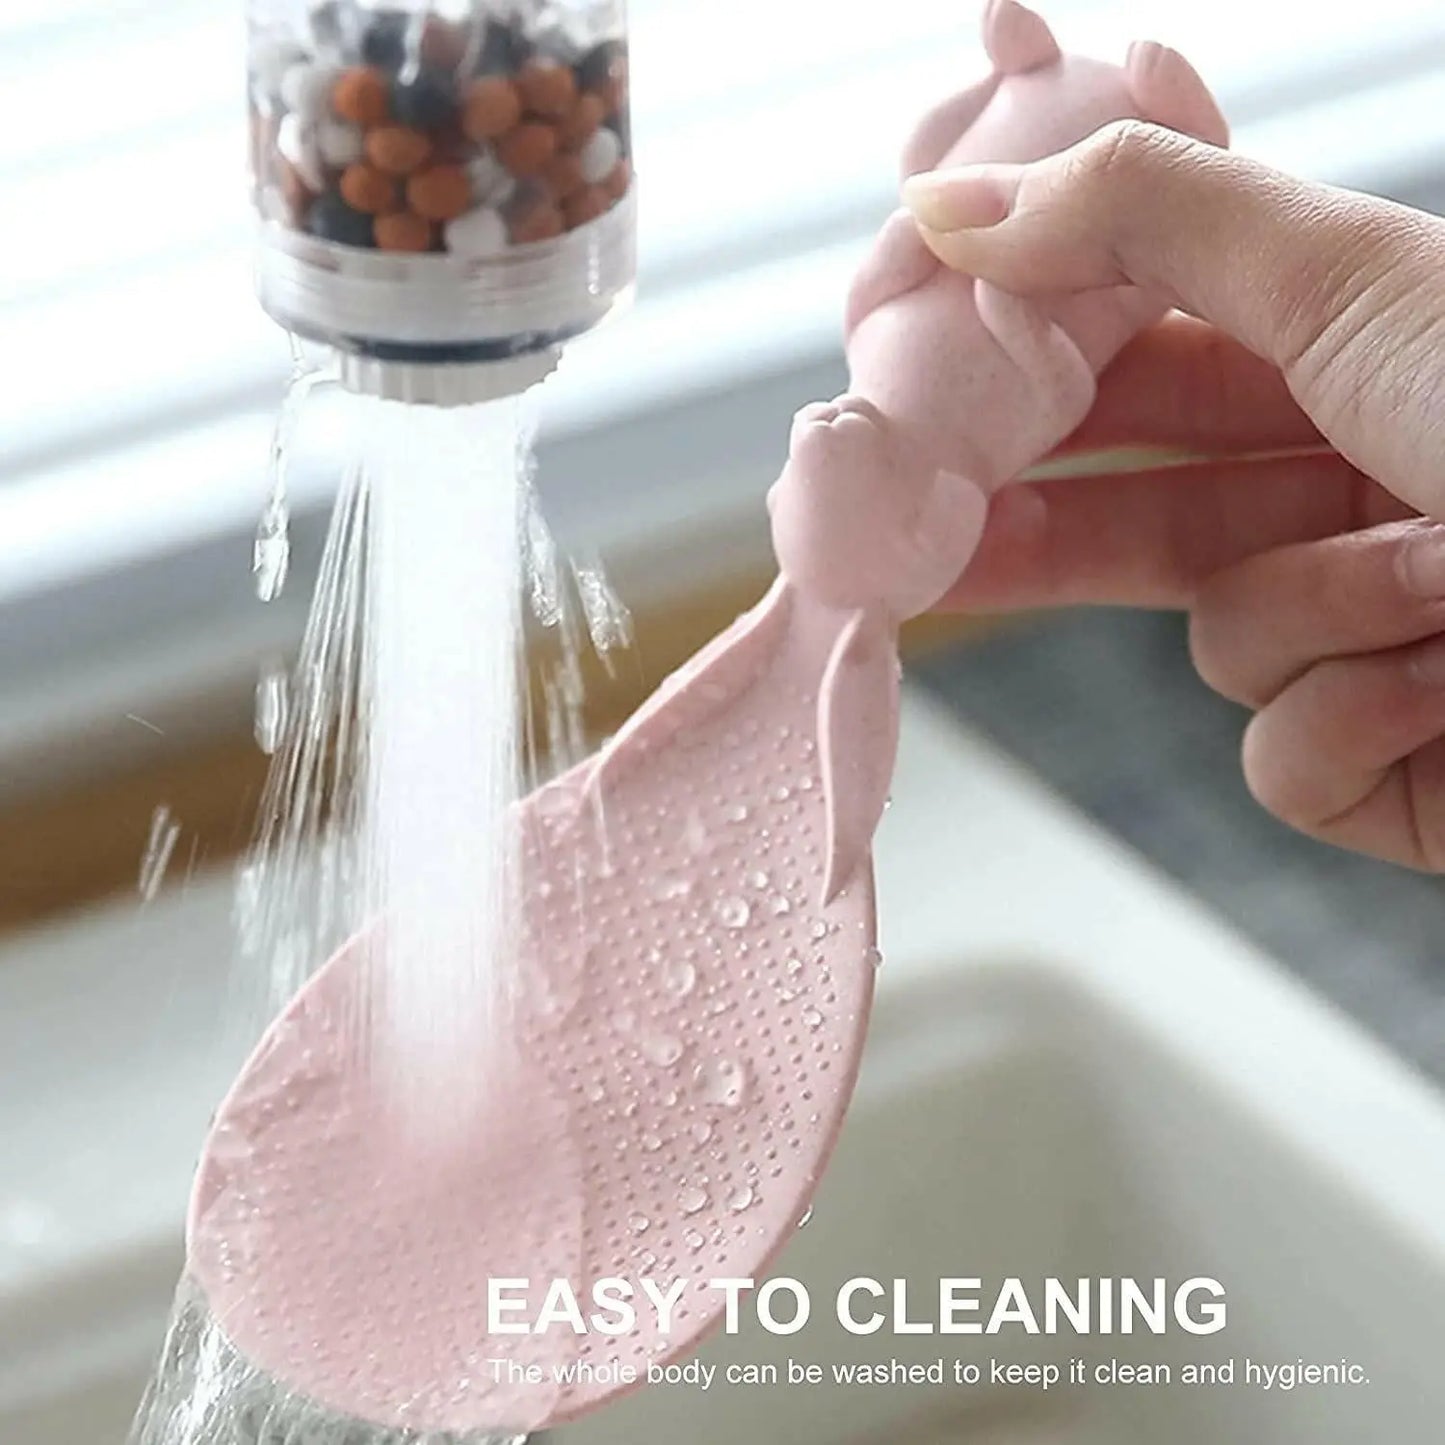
(1304, 371)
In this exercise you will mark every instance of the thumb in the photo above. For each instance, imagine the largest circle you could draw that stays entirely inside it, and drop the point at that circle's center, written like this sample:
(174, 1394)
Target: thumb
(1345, 293)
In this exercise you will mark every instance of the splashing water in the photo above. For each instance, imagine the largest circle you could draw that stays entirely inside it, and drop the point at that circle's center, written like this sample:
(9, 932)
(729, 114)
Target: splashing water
(574, 602)
(273, 701)
(160, 845)
(297, 898)
(271, 552)
(608, 621)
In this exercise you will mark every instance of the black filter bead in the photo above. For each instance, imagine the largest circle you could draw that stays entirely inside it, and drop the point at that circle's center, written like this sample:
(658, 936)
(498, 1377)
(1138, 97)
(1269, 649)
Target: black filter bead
(425, 100)
(383, 42)
(505, 49)
(594, 67)
(333, 220)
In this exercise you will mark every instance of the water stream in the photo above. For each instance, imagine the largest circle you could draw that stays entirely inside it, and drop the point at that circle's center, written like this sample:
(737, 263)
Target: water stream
(400, 738)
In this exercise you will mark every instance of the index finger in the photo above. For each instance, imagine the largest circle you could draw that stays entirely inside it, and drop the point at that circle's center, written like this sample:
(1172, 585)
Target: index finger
(1345, 293)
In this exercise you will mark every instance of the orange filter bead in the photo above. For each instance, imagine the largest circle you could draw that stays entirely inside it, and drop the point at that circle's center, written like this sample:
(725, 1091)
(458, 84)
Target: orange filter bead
(440, 193)
(491, 107)
(366, 189)
(563, 174)
(582, 122)
(404, 231)
(362, 96)
(538, 220)
(585, 205)
(398, 149)
(525, 150)
(618, 181)
(547, 89)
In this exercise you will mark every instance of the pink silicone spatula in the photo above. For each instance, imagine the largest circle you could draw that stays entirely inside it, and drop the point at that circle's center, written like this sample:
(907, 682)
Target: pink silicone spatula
(698, 953)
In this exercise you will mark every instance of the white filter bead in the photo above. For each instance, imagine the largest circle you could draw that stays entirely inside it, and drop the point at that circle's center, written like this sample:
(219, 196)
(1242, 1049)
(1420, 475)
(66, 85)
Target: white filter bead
(271, 60)
(599, 156)
(478, 235)
(306, 90)
(340, 143)
(485, 175)
(296, 141)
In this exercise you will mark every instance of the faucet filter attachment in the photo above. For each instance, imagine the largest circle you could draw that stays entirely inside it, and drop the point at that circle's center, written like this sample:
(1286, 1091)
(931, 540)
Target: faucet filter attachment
(444, 187)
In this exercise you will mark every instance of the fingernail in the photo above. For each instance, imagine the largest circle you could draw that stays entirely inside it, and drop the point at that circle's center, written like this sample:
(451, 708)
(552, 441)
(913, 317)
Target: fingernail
(1422, 563)
(956, 200)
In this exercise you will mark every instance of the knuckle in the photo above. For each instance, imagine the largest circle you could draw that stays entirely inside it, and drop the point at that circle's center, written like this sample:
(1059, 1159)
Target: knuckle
(1121, 154)
(1361, 303)
(1103, 189)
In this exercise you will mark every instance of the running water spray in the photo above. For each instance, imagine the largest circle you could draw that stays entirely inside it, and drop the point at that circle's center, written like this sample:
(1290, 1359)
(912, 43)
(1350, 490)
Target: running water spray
(443, 709)
(400, 738)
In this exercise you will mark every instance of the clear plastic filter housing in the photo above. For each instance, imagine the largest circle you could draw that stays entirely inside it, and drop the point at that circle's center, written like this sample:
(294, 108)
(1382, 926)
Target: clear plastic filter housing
(444, 187)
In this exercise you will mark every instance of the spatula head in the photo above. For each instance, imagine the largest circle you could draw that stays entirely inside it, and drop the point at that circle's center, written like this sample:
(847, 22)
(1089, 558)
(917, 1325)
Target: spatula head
(674, 1072)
